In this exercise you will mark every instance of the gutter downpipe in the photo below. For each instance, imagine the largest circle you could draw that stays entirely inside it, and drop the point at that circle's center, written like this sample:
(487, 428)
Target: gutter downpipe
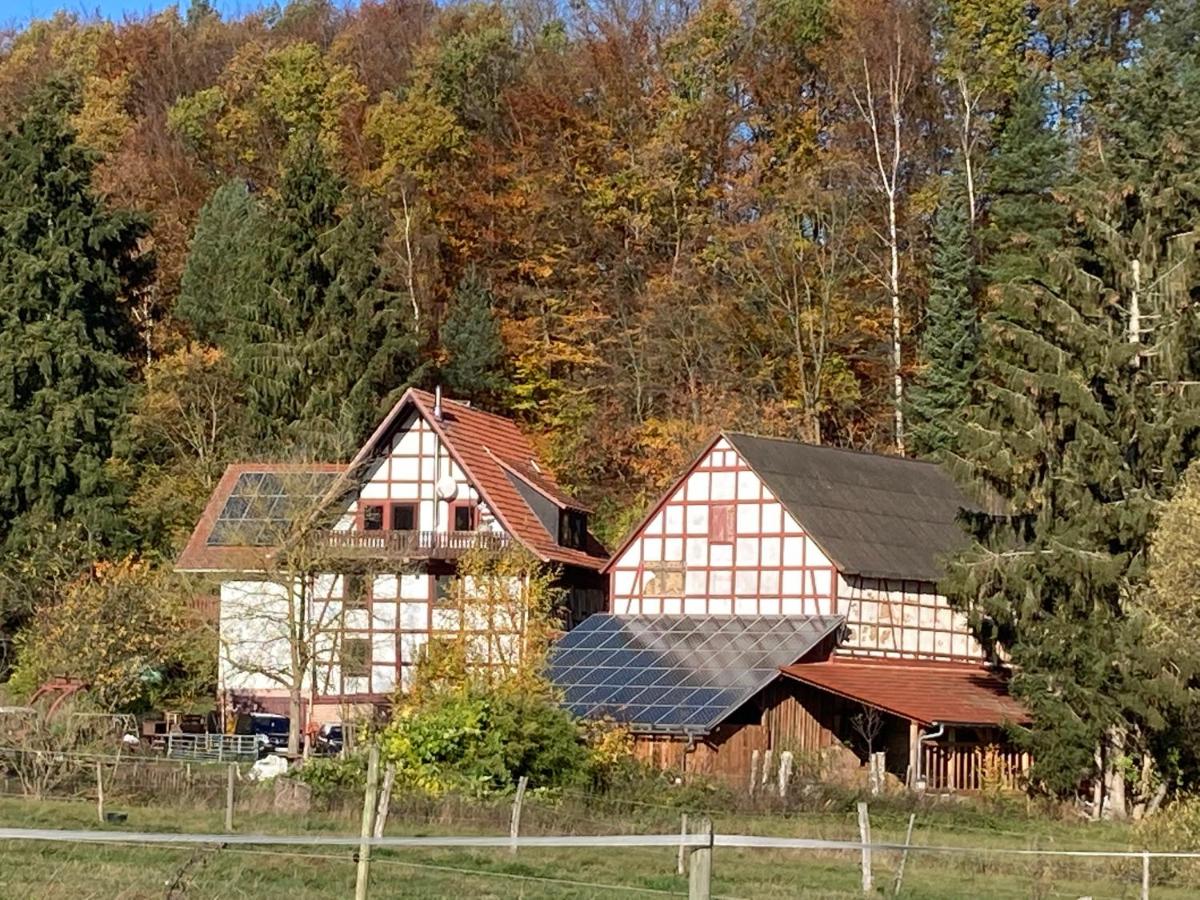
(939, 731)
(689, 747)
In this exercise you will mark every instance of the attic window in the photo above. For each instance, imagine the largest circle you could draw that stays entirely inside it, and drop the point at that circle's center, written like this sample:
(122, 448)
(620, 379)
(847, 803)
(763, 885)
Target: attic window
(404, 517)
(372, 518)
(464, 517)
(572, 529)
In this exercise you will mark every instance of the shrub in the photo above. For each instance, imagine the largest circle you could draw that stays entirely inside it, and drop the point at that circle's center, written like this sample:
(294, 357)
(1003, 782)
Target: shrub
(482, 741)
(1174, 827)
(329, 776)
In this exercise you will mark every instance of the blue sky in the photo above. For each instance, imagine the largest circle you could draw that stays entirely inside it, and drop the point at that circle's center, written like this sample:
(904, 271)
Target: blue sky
(21, 11)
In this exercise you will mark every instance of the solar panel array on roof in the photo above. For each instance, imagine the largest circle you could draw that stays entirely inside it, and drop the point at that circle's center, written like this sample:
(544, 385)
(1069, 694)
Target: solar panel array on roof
(680, 674)
(262, 506)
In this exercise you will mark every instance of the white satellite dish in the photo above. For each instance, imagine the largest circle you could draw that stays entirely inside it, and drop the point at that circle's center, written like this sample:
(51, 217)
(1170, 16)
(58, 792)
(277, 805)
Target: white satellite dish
(447, 487)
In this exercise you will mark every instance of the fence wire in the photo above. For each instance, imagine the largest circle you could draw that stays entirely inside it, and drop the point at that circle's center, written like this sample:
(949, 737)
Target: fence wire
(746, 864)
(769, 853)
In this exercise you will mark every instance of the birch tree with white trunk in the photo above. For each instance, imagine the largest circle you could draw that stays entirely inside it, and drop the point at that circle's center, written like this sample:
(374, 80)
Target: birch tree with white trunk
(882, 84)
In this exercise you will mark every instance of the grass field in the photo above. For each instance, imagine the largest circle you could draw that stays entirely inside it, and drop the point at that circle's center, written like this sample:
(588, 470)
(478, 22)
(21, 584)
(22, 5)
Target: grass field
(120, 871)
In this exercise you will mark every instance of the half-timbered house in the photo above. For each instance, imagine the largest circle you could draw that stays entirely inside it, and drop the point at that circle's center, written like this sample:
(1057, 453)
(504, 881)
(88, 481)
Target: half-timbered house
(360, 554)
(783, 596)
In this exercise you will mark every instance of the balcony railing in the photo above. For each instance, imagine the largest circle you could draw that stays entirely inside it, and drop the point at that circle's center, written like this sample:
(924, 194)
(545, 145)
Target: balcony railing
(409, 544)
(974, 767)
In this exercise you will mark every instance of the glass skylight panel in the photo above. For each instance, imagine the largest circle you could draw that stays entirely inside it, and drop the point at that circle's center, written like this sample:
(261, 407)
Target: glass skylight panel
(261, 506)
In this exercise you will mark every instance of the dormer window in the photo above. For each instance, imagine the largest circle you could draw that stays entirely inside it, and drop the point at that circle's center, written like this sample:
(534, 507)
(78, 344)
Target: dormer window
(572, 529)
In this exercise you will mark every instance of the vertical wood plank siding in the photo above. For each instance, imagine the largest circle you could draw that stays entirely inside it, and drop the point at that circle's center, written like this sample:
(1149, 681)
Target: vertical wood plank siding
(811, 724)
(818, 728)
(974, 766)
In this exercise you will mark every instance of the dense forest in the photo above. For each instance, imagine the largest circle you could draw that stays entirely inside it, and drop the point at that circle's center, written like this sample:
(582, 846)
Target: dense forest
(962, 229)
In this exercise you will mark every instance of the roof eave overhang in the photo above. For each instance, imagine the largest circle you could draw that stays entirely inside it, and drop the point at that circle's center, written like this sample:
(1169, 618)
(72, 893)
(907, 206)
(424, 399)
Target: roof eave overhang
(923, 721)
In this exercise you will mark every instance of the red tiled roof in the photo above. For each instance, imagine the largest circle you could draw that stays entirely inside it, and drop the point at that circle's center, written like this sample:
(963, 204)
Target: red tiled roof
(200, 556)
(482, 443)
(925, 692)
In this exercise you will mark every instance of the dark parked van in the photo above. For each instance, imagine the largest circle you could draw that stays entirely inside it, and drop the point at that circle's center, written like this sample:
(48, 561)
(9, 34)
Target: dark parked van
(271, 729)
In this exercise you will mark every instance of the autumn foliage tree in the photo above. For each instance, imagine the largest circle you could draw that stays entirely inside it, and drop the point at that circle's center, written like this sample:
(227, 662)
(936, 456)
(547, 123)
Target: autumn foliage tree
(126, 630)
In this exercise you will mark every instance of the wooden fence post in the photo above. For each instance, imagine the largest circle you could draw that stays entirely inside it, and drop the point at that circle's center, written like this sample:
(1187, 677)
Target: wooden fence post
(864, 834)
(785, 772)
(385, 799)
(514, 821)
(700, 865)
(912, 817)
(877, 773)
(681, 863)
(229, 780)
(368, 825)
(1146, 875)
(99, 792)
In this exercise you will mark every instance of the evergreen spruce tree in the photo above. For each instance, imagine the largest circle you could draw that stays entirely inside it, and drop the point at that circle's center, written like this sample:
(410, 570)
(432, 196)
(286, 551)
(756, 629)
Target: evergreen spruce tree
(1077, 433)
(223, 275)
(949, 345)
(274, 342)
(361, 339)
(68, 267)
(472, 345)
(291, 288)
(1024, 221)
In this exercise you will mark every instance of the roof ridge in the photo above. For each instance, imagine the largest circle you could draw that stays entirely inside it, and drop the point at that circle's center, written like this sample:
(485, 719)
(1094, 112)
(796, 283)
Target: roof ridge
(472, 408)
(851, 450)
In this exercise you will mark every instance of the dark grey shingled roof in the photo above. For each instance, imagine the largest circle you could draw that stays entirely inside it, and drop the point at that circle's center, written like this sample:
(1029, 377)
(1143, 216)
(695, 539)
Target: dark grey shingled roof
(873, 515)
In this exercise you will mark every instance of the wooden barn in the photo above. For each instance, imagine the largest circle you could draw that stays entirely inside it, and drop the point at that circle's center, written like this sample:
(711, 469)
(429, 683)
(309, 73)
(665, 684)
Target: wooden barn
(783, 596)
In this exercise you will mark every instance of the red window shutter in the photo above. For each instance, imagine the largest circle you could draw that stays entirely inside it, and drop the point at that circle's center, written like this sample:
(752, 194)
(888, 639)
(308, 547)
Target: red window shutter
(721, 524)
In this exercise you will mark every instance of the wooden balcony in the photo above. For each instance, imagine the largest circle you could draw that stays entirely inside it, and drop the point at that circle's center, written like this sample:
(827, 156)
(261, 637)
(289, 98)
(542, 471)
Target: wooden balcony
(402, 545)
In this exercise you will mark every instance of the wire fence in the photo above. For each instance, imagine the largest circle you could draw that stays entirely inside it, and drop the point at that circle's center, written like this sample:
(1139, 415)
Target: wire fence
(439, 846)
(1126, 873)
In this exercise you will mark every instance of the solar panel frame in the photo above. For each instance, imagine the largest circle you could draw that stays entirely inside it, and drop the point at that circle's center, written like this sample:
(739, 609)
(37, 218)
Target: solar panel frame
(677, 674)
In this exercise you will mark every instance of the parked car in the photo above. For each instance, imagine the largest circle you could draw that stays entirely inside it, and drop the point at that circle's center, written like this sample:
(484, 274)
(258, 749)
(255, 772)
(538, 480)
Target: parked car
(272, 729)
(330, 739)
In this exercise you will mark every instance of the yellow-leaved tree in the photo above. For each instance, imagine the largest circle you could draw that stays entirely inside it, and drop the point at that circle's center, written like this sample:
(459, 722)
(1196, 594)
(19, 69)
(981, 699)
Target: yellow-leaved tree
(126, 630)
(1175, 560)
